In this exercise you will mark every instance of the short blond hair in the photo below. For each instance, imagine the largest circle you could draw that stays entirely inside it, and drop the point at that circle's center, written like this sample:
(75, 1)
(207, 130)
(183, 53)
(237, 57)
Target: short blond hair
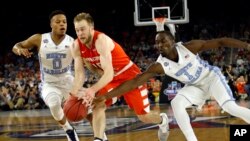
(84, 16)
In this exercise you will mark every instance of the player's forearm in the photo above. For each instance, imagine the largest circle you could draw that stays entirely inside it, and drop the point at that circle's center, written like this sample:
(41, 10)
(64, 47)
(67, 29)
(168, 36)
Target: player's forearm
(77, 84)
(121, 89)
(103, 81)
(79, 77)
(231, 42)
(129, 85)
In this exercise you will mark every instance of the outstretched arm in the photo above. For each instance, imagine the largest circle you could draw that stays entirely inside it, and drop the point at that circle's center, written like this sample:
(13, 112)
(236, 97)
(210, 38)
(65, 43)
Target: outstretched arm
(201, 45)
(129, 85)
(22, 48)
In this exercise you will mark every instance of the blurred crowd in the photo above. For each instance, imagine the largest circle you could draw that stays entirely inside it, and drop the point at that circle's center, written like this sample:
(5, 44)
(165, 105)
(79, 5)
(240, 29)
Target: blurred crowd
(20, 77)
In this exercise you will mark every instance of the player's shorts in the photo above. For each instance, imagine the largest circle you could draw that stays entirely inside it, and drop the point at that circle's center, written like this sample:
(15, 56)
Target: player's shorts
(194, 95)
(61, 88)
(137, 99)
(214, 85)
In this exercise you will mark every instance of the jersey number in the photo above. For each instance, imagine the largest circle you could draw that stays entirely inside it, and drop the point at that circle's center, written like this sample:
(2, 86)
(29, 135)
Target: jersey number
(57, 63)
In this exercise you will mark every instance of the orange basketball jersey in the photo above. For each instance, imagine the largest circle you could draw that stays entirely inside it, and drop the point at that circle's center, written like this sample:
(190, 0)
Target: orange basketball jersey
(119, 57)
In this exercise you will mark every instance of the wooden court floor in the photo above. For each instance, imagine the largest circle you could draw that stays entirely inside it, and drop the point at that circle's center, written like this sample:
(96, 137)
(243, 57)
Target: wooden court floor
(210, 124)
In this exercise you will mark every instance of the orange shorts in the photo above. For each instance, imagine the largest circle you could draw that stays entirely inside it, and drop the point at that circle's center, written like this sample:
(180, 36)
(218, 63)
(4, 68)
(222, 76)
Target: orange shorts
(136, 99)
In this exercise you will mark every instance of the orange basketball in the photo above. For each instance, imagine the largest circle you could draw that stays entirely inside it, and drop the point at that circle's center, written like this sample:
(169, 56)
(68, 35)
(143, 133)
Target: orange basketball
(74, 110)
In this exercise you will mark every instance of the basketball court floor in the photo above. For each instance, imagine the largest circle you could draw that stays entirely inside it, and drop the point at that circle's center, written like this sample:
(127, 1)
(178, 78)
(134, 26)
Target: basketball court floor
(210, 124)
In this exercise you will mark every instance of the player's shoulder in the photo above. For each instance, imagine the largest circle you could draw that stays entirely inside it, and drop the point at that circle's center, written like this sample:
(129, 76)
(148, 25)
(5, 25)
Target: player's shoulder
(70, 38)
(154, 68)
(35, 38)
(103, 38)
(100, 35)
(47, 34)
(37, 35)
(44, 36)
(75, 44)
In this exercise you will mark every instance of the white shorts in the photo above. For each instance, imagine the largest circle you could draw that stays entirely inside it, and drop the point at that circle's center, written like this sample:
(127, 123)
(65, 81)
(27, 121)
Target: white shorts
(61, 88)
(194, 95)
(214, 85)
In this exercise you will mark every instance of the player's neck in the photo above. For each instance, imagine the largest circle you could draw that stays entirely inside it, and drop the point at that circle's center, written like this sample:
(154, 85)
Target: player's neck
(174, 56)
(90, 43)
(57, 38)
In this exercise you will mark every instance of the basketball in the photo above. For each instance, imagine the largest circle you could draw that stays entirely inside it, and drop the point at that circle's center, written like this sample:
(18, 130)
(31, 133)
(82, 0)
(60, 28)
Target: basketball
(74, 110)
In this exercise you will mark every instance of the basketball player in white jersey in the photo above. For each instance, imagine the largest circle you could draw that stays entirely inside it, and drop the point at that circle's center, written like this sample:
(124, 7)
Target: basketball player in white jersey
(182, 62)
(55, 65)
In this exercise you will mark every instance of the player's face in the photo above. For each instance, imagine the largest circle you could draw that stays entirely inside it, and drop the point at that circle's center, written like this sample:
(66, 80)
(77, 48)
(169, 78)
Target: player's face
(164, 44)
(83, 31)
(59, 24)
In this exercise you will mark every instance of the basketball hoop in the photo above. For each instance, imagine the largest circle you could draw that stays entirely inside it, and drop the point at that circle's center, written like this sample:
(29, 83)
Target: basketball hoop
(159, 22)
(160, 19)
(176, 11)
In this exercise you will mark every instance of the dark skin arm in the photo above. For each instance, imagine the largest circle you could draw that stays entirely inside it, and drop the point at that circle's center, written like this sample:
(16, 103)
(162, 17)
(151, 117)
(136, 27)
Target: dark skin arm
(196, 46)
(22, 48)
(152, 70)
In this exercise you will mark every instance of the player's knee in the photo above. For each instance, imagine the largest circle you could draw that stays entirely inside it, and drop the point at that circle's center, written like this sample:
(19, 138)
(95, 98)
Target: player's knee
(175, 102)
(228, 106)
(53, 100)
(179, 102)
(101, 107)
(54, 104)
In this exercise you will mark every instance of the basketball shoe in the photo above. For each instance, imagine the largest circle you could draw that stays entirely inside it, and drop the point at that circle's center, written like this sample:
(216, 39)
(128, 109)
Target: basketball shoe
(72, 135)
(105, 138)
(163, 131)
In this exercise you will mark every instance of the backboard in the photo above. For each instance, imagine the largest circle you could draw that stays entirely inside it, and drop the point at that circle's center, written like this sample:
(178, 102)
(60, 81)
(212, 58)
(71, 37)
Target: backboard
(176, 11)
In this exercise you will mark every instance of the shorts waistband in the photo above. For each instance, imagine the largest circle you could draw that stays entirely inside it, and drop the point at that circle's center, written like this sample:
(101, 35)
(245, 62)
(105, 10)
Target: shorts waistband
(125, 68)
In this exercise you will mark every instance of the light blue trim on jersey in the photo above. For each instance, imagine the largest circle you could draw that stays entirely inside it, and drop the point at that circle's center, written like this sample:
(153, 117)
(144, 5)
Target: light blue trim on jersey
(217, 71)
(41, 66)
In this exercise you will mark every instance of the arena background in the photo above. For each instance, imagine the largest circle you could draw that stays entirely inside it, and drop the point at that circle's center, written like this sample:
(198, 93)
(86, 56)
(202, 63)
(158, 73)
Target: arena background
(20, 19)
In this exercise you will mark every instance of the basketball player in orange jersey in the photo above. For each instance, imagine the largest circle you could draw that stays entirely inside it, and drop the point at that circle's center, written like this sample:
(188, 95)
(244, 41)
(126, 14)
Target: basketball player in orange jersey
(105, 57)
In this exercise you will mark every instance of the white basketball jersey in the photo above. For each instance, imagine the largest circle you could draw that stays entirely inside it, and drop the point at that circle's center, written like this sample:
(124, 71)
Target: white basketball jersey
(55, 60)
(189, 69)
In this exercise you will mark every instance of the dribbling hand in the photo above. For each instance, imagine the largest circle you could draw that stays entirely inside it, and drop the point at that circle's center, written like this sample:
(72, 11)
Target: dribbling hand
(87, 95)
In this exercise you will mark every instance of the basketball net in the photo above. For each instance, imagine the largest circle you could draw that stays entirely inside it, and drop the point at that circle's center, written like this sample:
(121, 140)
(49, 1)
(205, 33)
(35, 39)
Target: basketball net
(160, 22)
